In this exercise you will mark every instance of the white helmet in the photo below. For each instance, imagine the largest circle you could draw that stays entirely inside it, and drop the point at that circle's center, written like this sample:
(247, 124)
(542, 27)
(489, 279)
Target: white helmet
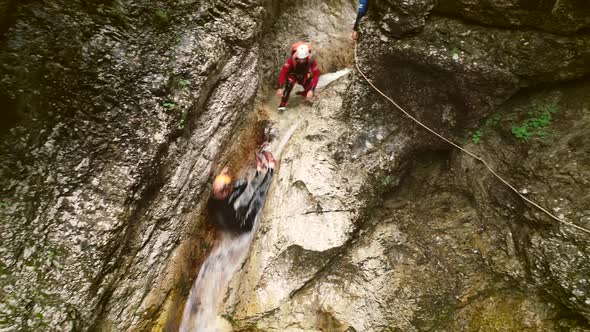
(302, 52)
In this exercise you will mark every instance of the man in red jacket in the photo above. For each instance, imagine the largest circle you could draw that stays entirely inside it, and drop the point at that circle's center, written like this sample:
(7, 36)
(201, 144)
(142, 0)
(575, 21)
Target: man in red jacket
(300, 68)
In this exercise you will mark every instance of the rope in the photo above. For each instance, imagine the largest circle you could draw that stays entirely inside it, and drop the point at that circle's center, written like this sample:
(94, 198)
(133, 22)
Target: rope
(473, 155)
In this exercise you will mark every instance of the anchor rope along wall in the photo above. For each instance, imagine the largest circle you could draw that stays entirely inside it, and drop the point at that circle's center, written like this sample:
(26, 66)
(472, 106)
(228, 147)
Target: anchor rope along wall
(473, 155)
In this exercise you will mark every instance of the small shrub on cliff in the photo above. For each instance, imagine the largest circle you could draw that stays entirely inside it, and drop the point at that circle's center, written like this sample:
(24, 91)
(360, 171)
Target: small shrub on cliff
(183, 83)
(182, 120)
(387, 181)
(539, 117)
(178, 82)
(161, 18)
(168, 105)
(476, 137)
(487, 124)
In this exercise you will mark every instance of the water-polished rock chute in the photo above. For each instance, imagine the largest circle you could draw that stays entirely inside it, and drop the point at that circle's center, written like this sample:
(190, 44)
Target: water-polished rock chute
(118, 115)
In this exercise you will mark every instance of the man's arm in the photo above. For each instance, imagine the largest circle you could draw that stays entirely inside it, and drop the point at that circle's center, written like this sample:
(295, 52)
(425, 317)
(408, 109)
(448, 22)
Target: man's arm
(361, 12)
(284, 72)
(315, 72)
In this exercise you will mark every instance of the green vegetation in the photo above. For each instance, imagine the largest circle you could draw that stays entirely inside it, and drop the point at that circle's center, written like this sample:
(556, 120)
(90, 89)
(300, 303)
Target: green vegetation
(183, 83)
(3, 205)
(539, 117)
(177, 82)
(487, 124)
(234, 322)
(387, 180)
(182, 121)
(476, 136)
(161, 18)
(169, 105)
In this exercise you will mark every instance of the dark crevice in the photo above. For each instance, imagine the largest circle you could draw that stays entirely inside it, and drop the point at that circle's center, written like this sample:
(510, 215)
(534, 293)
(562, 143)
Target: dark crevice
(8, 16)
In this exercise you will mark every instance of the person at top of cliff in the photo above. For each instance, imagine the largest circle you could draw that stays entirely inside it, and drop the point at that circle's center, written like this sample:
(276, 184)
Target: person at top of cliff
(362, 11)
(234, 205)
(301, 68)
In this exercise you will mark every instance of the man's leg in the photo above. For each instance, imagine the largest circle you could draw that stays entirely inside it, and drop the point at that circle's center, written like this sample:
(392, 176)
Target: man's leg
(260, 184)
(288, 87)
(257, 191)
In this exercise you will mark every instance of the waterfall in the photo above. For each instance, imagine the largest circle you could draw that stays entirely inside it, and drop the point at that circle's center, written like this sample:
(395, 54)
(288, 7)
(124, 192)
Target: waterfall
(200, 311)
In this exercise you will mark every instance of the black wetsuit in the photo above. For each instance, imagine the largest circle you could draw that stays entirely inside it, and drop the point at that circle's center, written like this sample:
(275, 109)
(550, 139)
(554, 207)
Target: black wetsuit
(237, 213)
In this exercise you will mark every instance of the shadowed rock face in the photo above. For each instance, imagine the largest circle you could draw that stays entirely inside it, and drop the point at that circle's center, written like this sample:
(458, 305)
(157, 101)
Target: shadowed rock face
(118, 111)
(123, 106)
(562, 17)
(374, 224)
(451, 84)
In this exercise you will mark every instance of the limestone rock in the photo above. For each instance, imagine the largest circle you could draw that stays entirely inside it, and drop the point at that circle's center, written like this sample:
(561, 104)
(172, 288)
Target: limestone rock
(563, 17)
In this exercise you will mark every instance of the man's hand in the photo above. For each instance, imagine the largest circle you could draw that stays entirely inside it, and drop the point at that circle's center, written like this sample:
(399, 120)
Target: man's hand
(280, 93)
(355, 35)
(309, 94)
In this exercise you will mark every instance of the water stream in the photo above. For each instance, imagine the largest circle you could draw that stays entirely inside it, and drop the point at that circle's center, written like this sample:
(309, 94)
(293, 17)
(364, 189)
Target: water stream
(200, 312)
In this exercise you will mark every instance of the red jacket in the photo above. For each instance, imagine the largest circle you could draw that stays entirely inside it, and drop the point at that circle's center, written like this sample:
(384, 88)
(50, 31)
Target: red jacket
(289, 67)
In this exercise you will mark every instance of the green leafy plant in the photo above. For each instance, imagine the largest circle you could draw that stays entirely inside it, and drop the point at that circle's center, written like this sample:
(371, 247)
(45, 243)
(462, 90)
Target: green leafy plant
(176, 82)
(169, 105)
(161, 18)
(492, 120)
(487, 124)
(387, 181)
(476, 136)
(539, 117)
(182, 121)
(183, 83)
(3, 205)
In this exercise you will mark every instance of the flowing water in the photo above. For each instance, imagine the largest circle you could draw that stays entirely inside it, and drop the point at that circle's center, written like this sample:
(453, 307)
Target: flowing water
(200, 312)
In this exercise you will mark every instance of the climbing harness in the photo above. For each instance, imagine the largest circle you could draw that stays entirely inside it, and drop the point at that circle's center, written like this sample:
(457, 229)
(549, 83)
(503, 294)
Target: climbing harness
(356, 63)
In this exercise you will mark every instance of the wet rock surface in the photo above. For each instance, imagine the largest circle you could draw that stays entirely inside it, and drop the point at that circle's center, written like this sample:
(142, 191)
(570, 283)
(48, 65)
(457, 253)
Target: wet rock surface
(415, 265)
(118, 111)
(563, 17)
(436, 242)
(122, 107)
(399, 18)
(552, 171)
(325, 25)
